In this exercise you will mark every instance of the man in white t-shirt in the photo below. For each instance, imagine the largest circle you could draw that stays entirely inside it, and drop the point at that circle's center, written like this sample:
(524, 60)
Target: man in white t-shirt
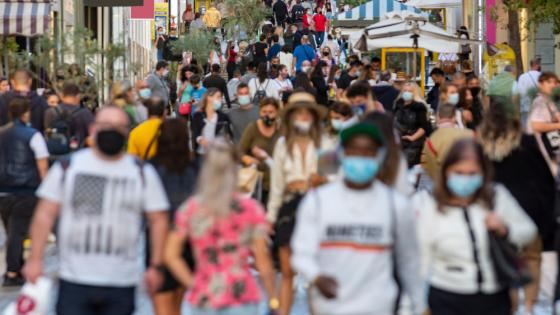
(100, 197)
(527, 81)
(282, 84)
(24, 159)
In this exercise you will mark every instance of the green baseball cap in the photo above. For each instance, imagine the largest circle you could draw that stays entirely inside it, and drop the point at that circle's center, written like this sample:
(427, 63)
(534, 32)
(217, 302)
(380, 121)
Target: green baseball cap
(364, 129)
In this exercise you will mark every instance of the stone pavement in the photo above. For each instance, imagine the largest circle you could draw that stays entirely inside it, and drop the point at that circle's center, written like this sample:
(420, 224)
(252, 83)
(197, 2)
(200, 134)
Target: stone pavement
(143, 303)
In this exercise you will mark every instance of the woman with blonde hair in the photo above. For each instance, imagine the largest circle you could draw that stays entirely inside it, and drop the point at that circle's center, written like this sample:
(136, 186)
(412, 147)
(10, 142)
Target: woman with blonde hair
(411, 122)
(293, 173)
(224, 229)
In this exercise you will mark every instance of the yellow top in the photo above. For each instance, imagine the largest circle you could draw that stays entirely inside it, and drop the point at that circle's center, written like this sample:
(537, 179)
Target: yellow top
(141, 136)
(212, 18)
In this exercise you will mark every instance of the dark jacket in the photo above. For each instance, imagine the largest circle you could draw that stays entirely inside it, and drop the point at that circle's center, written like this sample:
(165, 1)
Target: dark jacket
(38, 107)
(526, 174)
(216, 81)
(223, 126)
(18, 166)
(386, 94)
(433, 97)
(322, 94)
(280, 10)
(408, 119)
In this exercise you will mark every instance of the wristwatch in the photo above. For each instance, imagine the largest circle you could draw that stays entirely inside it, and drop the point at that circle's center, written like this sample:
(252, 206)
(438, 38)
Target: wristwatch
(273, 304)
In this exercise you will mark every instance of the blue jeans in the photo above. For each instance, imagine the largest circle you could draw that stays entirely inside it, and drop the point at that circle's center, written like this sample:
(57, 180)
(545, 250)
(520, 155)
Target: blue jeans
(159, 54)
(319, 37)
(74, 299)
(247, 309)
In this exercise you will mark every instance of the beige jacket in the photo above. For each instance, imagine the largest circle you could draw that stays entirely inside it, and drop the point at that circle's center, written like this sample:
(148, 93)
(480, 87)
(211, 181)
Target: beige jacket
(287, 169)
(437, 146)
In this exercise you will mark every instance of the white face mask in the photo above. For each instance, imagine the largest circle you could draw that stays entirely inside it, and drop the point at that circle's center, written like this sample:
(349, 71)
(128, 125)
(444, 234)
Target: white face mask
(165, 73)
(302, 126)
(453, 99)
(305, 69)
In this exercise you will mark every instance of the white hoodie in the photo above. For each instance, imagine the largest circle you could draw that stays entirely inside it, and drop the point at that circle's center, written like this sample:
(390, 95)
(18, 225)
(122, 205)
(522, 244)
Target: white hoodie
(350, 235)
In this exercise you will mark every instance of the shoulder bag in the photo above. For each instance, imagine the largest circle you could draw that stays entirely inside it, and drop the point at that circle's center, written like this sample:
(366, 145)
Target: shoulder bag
(511, 270)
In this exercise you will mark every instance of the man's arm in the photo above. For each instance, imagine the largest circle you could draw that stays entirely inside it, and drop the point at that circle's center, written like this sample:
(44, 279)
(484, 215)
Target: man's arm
(42, 167)
(46, 213)
(158, 222)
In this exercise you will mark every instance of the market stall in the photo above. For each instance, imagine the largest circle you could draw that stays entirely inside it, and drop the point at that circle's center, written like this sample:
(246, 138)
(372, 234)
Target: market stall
(405, 40)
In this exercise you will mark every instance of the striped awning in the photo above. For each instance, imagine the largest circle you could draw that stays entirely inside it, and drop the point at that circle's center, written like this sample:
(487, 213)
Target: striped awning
(24, 17)
(375, 10)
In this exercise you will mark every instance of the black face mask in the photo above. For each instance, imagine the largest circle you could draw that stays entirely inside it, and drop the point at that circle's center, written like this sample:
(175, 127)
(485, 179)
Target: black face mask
(268, 121)
(325, 53)
(475, 91)
(110, 142)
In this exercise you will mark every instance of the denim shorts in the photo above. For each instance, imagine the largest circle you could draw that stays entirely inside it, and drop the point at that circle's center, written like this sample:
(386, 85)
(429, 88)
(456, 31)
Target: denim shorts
(247, 309)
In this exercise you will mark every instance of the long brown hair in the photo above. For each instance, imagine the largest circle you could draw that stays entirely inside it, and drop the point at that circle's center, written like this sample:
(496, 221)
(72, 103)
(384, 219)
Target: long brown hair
(173, 150)
(456, 154)
(289, 131)
(390, 169)
(204, 101)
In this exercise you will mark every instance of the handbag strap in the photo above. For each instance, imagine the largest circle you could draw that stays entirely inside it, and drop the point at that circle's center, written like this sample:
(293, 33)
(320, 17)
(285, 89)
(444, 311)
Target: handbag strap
(476, 257)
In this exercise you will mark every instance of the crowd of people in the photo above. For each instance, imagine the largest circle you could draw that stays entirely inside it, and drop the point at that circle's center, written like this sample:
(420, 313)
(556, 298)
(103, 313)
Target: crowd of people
(300, 164)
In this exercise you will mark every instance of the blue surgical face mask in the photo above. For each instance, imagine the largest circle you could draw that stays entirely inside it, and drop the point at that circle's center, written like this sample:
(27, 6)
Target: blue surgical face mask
(145, 93)
(217, 104)
(453, 99)
(407, 96)
(359, 110)
(464, 186)
(360, 169)
(337, 124)
(244, 100)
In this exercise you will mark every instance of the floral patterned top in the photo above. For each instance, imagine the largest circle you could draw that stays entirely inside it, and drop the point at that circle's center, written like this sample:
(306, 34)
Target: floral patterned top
(221, 248)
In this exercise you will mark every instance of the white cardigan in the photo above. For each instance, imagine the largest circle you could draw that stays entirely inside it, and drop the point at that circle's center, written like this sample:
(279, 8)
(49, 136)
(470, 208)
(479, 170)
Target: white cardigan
(286, 169)
(448, 261)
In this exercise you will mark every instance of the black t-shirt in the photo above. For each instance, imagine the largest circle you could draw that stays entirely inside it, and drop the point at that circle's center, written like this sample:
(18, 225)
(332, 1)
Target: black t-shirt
(161, 42)
(345, 80)
(260, 55)
(297, 13)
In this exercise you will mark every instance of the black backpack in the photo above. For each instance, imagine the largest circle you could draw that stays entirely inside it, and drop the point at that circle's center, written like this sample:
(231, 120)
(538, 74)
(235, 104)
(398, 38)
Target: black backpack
(260, 93)
(60, 137)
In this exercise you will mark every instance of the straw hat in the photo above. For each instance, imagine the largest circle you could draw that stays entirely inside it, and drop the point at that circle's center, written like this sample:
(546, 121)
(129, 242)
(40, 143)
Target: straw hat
(305, 100)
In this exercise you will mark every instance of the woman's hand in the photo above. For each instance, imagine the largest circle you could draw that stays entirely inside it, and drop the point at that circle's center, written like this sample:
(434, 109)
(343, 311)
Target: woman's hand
(203, 142)
(317, 180)
(406, 138)
(249, 160)
(259, 153)
(495, 224)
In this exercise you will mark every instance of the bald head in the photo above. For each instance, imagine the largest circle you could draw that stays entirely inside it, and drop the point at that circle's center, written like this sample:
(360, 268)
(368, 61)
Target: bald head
(21, 80)
(110, 121)
(112, 115)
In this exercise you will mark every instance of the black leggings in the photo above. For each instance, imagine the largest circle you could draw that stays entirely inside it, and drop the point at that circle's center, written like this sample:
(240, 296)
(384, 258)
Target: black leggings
(447, 303)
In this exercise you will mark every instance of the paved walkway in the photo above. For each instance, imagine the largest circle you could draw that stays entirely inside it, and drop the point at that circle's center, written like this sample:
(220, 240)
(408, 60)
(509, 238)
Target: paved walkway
(143, 304)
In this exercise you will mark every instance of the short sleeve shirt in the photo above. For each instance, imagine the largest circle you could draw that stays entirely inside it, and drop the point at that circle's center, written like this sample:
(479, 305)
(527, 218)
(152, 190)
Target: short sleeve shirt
(221, 246)
(541, 112)
(302, 53)
(102, 206)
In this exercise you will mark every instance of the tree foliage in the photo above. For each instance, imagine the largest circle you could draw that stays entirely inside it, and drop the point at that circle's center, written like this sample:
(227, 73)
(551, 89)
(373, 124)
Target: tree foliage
(540, 12)
(52, 56)
(199, 42)
(245, 15)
